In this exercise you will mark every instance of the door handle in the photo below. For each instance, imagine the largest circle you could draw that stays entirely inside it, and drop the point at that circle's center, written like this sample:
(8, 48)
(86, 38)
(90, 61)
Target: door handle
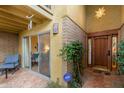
(108, 53)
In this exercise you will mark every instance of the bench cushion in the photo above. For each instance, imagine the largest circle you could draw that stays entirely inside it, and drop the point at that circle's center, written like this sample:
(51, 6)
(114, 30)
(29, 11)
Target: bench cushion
(12, 59)
(8, 66)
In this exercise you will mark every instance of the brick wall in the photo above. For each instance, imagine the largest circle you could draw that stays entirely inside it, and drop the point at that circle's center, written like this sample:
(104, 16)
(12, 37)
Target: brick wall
(71, 32)
(8, 44)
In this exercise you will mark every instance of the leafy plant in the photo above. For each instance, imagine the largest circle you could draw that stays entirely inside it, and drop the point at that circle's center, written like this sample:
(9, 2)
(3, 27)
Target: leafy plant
(74, 84)
(120, 57)
(54, 85)
(73, 53)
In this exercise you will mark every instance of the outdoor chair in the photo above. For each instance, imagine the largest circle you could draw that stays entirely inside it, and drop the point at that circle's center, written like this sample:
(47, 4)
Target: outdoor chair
(10, 62)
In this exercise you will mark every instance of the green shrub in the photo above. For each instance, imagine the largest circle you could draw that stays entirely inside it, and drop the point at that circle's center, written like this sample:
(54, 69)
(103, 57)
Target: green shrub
(54, 85)
(73, 53)
(74, 84)
(120, 57)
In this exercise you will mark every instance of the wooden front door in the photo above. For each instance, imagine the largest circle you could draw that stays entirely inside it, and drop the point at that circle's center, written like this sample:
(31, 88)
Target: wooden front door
(100, 48)
(101, 51)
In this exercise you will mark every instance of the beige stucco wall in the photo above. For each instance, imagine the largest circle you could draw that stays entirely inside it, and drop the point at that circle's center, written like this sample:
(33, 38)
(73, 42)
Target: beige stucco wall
(111, 20)
(122, 14)
(59, 11)
(55, 45)
(55, 42)
(77, 13)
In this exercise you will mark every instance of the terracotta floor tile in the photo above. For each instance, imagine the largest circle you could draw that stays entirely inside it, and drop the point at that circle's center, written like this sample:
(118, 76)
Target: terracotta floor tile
(23, 79)
(101, 80)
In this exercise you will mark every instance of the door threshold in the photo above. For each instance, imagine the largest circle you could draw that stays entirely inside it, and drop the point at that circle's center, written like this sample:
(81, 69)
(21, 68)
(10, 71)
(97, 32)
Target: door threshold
(101, 68)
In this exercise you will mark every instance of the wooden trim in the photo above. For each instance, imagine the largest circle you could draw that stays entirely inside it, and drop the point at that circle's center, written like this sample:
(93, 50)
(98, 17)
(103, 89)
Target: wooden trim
(89, 65)
(109, 33)
(16, 20)
(86, 43)
(46, 9)
(109, 66)
(92, 51)
(121, 26)
(41, 11)
(110, 49)
(104, 33)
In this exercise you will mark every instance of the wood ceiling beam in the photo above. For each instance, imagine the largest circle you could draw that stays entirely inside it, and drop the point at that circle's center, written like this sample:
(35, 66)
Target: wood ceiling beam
(24, 11)
(14, 31)
(8, 16)
(13, 10)
(13, 22)
(5, 22)
(4, 19)
(28, 11)
(9, 31)
(10, 27)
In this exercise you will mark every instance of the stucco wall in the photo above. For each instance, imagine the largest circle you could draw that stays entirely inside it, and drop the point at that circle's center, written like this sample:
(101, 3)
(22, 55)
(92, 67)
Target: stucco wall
(59, 11)
(56, 64)
(122, 14)
(111, 20)
(77, 13)
(55, 43)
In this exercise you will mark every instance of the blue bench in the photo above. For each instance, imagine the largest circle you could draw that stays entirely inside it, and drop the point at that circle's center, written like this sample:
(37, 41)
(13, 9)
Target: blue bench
(10, 62)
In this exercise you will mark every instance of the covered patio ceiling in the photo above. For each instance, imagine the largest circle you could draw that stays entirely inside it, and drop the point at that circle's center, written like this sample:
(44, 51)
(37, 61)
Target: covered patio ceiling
(13, 17)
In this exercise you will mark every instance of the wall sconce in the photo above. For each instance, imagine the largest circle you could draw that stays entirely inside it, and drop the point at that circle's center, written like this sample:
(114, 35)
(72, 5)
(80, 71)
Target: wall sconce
(55, 28)
(100, 12)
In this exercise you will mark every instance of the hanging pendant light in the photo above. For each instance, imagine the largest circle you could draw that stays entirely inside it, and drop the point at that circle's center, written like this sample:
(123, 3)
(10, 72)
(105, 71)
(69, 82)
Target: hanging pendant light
(30, 22)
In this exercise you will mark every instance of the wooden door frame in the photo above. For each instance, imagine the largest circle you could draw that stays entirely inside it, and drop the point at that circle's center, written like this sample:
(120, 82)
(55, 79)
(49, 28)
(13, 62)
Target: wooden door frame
(108, 33)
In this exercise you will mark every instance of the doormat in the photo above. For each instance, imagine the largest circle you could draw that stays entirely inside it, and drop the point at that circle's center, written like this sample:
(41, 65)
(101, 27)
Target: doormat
(97, 71)
(101, 70)
(107, 73)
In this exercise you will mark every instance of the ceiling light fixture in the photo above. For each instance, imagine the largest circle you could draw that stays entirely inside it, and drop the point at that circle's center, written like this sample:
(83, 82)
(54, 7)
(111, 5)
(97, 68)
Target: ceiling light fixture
(100, 12)
(30, 21)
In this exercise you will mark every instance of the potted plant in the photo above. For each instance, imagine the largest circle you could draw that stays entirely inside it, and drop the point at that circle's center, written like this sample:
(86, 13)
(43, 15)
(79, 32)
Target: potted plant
(73, 53)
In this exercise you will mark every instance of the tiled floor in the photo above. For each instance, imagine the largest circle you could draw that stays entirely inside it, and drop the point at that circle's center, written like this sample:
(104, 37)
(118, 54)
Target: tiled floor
(23, 79)
(95, 79)
(92, 79)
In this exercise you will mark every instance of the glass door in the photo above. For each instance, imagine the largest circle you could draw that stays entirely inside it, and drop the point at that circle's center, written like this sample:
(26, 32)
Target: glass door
(34, 53)
(26, 55)
(44, 54)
